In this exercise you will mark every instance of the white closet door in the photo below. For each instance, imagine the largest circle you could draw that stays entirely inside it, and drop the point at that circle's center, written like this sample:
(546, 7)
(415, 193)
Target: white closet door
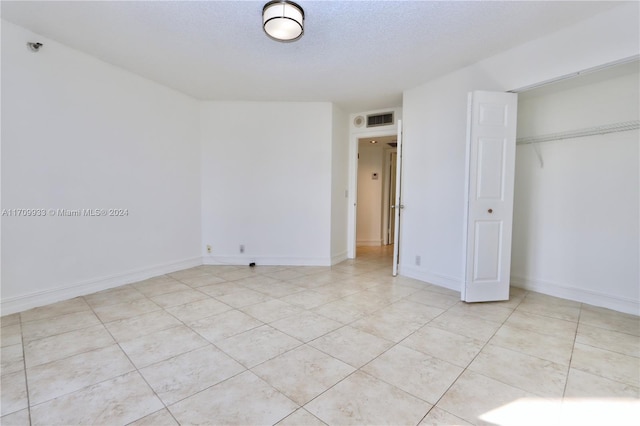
(491, 148)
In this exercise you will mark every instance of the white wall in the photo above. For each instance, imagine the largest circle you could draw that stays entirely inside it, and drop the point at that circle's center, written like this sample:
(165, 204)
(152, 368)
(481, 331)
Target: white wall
(369, 207)
(266, 182)
(339, 184)
(106, 138)
(434, 132)
(576, 219)
(78, 133)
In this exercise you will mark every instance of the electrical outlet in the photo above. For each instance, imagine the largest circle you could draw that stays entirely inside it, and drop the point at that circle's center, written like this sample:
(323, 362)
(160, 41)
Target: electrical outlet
(241, 248)
(418, 260)
(208, 248)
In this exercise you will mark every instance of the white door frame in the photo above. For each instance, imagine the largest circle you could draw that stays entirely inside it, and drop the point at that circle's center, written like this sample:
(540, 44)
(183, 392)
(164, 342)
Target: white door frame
(386, 194)
(397, 211)
(353, 181)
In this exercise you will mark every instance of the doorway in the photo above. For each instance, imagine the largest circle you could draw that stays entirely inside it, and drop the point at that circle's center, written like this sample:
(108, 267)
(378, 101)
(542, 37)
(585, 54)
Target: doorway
(375, 186)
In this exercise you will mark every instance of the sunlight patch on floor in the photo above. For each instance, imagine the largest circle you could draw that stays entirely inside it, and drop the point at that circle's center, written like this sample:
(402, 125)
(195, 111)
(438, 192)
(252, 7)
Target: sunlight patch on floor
(567, 412)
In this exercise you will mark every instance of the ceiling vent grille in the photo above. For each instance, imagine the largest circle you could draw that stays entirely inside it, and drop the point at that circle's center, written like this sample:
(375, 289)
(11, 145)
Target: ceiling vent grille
(384, 119)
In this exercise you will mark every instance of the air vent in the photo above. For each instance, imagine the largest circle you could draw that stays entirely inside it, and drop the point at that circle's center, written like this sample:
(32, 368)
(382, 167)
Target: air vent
(383, 119)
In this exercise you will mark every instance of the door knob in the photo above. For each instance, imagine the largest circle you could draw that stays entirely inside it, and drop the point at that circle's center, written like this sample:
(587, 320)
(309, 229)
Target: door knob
(490, 210)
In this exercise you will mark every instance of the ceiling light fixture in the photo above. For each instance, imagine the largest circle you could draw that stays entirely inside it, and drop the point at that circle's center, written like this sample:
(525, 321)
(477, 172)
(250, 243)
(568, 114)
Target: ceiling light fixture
(373, 141)
(283, 20)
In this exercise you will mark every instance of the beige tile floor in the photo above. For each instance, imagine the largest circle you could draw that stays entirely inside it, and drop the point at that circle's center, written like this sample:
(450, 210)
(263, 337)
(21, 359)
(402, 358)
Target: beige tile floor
(313, 346)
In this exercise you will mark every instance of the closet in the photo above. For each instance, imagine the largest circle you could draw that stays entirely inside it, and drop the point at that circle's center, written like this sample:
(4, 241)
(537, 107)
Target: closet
(576, 198)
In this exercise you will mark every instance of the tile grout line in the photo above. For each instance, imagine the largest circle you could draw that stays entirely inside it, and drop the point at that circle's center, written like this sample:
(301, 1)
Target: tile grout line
(455, 380)
(573, 348)
(471, 361)
(359, 369)
(245, 369)
(331, 356)
(135, 369)
(62, 358)
(24, 364)
(295, 411)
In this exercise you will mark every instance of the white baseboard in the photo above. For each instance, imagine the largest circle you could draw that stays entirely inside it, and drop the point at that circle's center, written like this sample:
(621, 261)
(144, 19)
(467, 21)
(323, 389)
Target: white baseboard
(337, 258)
(440, 280)
(21, 303)
(267, 260)
(590, 297)
(369, 243)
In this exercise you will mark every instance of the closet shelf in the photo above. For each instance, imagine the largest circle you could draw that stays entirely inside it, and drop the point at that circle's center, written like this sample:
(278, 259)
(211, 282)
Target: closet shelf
(591, 131)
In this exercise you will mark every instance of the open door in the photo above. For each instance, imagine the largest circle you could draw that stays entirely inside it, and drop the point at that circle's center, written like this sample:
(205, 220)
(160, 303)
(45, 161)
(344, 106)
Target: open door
(398, 202)
(491, 149)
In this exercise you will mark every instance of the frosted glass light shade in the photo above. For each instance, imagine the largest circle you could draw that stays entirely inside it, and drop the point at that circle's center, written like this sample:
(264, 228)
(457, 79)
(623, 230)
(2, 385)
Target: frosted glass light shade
(283, 20)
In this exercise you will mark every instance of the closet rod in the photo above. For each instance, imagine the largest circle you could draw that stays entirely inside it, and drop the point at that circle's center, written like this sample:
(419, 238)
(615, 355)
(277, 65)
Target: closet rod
(591, 131)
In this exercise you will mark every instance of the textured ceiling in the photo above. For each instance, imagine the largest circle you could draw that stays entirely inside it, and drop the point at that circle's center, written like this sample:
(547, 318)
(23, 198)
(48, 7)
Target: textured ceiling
(359, 54)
